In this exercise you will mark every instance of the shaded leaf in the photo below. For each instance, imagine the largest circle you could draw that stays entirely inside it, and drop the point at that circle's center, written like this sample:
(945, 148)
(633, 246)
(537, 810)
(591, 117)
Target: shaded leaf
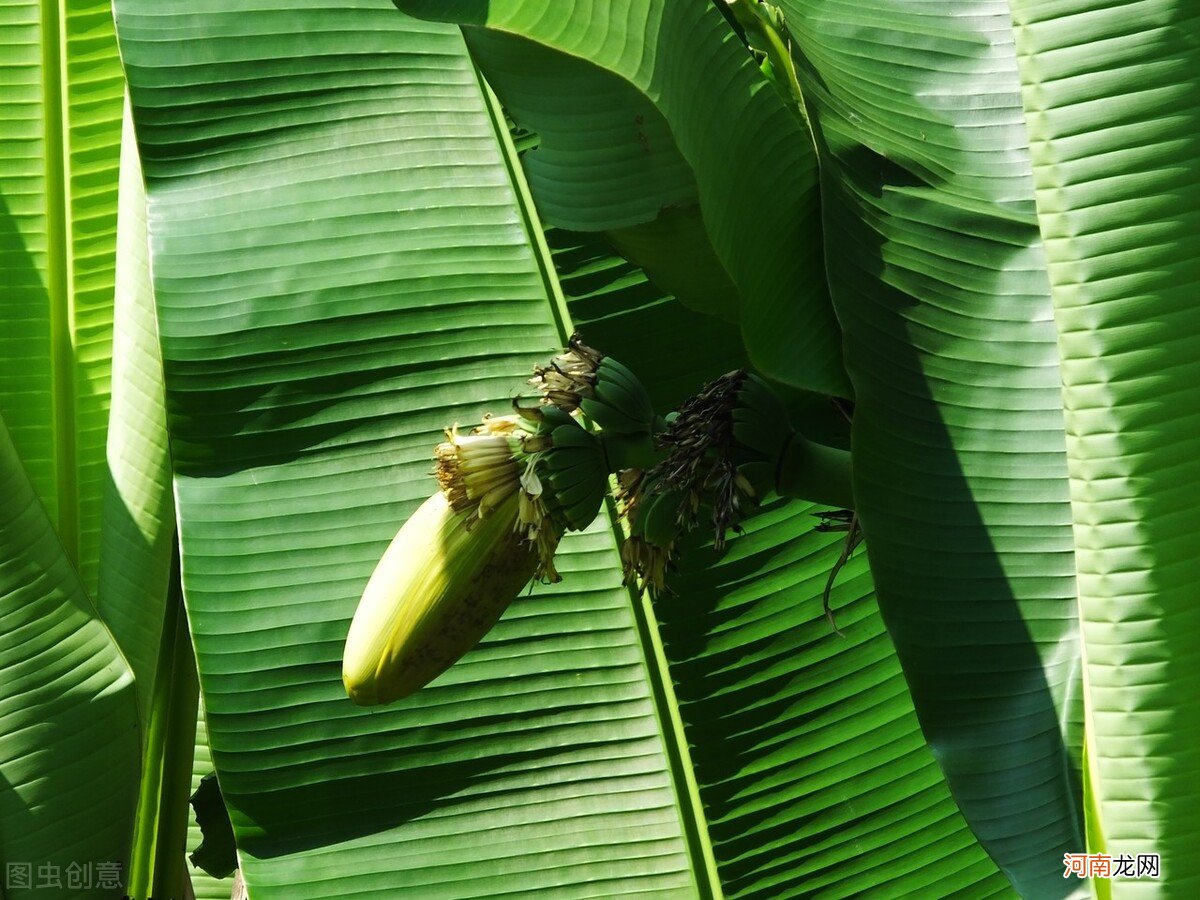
(216, 853)
(61, 89)
(204, 886)
(938, 274)
(606, 161)
(754, 166)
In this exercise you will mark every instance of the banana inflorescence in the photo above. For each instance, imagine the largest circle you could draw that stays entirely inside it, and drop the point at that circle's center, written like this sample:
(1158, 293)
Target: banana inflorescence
(511, 487)
(440, 585)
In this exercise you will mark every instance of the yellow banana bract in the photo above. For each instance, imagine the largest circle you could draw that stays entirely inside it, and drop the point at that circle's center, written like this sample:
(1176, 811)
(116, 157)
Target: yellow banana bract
(438, 589)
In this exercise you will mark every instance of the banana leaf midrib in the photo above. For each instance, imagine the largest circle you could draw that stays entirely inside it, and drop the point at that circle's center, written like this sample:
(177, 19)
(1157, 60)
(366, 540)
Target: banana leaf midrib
(59, 281)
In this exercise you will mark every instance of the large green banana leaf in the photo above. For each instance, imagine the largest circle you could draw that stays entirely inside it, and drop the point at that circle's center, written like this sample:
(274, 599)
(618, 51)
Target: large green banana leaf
(71, 740)
(945, 296)
(1112, 98)
(346, 261)
(351, 285)
(938, 273)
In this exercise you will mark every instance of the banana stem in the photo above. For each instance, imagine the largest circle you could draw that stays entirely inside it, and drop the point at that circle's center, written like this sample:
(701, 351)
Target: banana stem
(815, 472)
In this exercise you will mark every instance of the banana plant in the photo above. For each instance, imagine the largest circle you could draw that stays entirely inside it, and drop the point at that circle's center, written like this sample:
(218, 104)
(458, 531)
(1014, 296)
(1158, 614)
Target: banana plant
(967, 224)
(561, 737)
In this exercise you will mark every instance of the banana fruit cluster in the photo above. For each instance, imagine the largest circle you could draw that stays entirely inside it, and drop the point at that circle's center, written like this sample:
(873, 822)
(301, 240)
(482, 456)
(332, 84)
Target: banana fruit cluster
(603, 389)
(723, 449)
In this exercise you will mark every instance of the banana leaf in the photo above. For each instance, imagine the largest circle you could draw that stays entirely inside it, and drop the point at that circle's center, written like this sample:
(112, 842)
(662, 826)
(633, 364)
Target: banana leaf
(1112, 98)
(71, 745)
(69, 750)
(937, 270)
(59, 155)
